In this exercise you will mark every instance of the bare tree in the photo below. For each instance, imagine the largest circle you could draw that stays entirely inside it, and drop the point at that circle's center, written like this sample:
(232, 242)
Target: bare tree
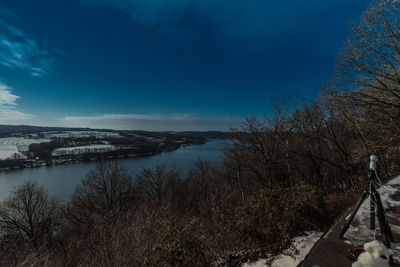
(103, 191)
(156, 182)
(28, 214)
(367, 78)
(262, 144)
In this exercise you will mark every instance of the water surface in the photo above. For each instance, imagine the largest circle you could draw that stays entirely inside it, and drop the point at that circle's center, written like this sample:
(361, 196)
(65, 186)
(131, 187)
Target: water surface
(62, 180)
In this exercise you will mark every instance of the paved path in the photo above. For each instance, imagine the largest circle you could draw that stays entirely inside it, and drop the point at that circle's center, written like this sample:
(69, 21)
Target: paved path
(330, 250)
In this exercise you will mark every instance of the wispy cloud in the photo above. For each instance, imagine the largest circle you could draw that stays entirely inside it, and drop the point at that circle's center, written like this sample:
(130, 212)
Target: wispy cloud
(8, 107)
(5, 12)
(17, 51)
(152, 12)
(6, 97)
(154, 122)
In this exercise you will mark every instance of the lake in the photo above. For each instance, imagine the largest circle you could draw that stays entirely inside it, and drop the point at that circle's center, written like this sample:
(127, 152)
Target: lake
(62, 180)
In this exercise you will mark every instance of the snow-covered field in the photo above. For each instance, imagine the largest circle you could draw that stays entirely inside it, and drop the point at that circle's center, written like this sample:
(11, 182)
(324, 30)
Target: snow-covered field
(292, 256)
(11, 146)
(80, 134)
(77, 150)
(359, 231)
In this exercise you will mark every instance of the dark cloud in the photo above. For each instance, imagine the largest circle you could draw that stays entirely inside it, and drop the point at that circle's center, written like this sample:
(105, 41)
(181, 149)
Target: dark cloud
(235, 18)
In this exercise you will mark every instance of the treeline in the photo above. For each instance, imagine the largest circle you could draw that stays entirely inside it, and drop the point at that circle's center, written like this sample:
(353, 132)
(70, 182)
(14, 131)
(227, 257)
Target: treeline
(327, 143)
(139, 146)
(295, 170)
(156, 219)
(10, 130)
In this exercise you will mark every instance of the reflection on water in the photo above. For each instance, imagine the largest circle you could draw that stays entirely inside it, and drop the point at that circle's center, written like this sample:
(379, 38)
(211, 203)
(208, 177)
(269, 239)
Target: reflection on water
(62, 180)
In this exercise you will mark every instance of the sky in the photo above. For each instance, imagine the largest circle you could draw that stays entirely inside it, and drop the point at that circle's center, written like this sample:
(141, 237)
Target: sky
(164, 64)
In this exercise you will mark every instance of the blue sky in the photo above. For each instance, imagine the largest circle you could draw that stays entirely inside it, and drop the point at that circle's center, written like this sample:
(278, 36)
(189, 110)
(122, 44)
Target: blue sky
(163, 64)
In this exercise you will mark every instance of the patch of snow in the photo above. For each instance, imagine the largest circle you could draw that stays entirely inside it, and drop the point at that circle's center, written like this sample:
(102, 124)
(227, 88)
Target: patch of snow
(7, 152)
(259, 263)
(395, 181)
(10, 147)
(76, 150)
(80, 134)
(359, 233)
(9, 141)
(375, 254)
(386, 192)
(292, 256)
(396, 252)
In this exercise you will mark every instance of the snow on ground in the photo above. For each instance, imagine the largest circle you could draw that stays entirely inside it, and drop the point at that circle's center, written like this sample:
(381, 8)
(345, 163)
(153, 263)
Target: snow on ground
(386, 192)
(395, 181)
(21, 141)
(80, 134)
(292, 256)
(11, 146)
(359, 232)
(76, 150)
(8, 151)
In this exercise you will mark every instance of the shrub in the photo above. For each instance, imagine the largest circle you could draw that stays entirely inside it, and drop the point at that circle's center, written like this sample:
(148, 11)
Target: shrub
(273, 216)
(177, 246)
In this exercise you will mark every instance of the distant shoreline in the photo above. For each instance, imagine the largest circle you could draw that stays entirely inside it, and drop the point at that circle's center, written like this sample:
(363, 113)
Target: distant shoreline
(32, 164)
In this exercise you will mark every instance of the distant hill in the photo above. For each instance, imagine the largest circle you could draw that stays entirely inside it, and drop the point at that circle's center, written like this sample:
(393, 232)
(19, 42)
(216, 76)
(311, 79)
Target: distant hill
(208, 134)
(6, 130)
(188, 134)
(10, 129)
